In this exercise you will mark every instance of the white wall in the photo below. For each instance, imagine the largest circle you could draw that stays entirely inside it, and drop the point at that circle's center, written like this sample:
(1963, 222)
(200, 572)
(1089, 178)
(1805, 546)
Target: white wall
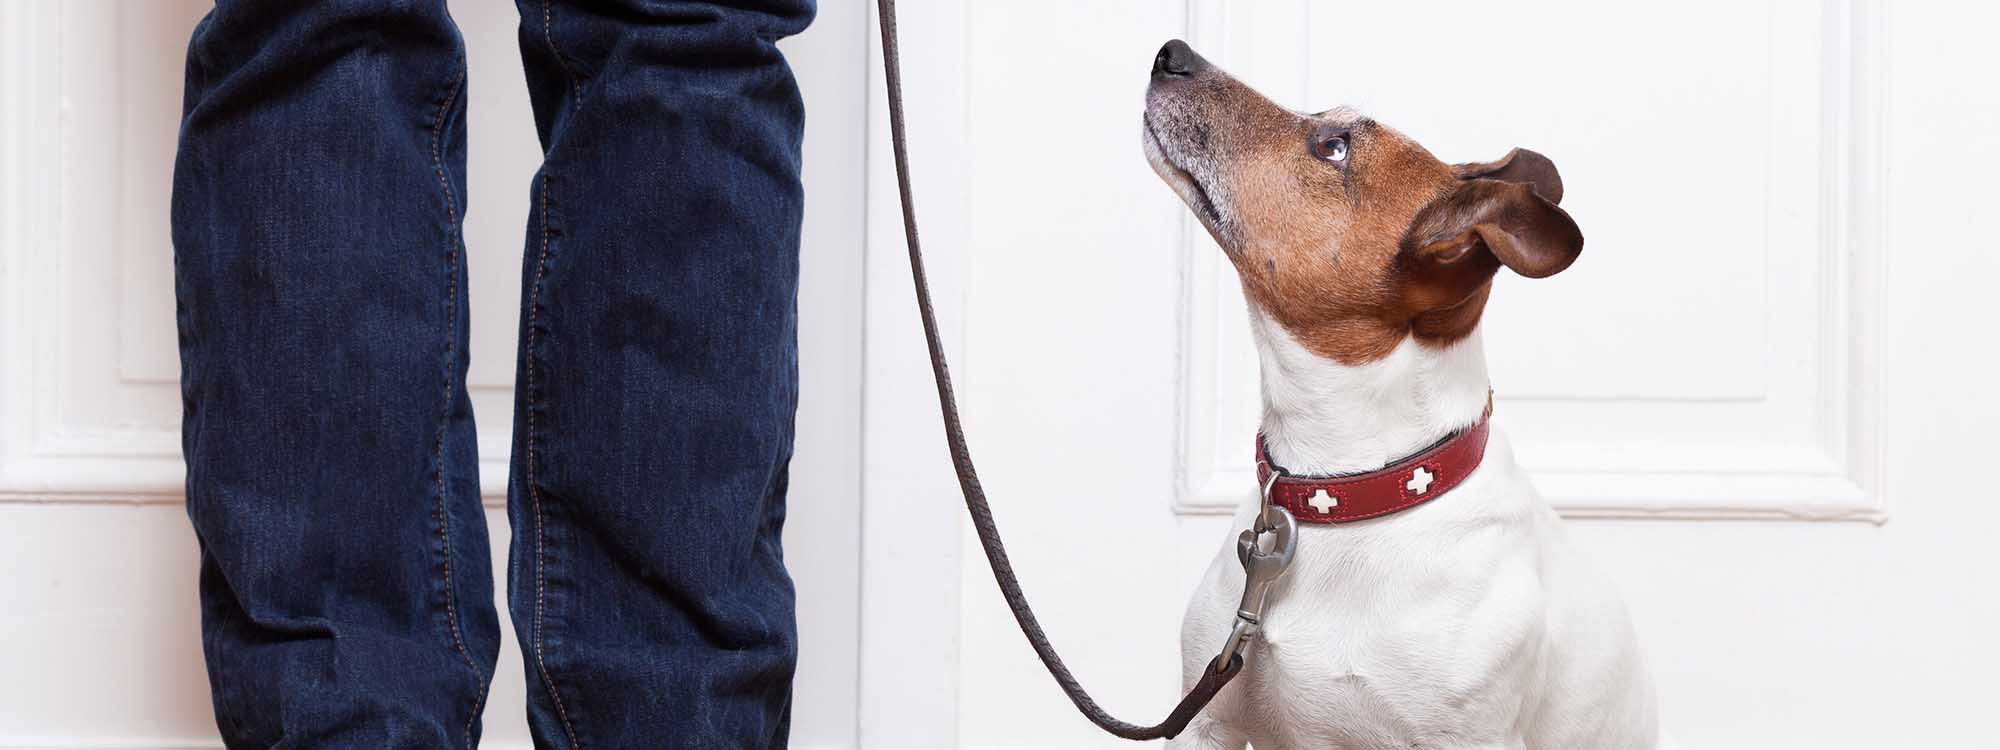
(99, 643)
(1763, 394)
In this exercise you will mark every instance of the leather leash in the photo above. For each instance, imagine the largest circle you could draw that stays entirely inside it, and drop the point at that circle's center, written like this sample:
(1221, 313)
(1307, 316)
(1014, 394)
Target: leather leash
(1261, 564)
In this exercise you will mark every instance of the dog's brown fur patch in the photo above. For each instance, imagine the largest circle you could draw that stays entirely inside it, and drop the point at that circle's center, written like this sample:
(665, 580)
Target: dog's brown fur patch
(1338, 291)
(1330, 249)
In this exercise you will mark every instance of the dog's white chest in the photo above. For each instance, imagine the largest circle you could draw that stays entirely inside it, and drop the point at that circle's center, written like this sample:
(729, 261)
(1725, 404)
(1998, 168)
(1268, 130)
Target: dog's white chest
(1391, 647)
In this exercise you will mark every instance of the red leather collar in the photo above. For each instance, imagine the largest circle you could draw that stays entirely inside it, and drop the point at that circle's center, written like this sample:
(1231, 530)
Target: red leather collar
(1397, 487)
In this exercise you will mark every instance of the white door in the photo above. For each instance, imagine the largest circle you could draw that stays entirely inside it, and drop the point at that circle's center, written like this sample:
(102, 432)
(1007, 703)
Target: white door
(99, 631)
(1766, 409)
(1764, 396)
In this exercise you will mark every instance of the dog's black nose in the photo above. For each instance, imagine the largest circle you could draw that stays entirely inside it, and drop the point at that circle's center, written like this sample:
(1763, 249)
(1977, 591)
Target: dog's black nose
(1175, 60)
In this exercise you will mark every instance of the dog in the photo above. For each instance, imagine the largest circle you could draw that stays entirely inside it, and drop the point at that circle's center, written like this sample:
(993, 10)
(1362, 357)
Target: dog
(1457, 615)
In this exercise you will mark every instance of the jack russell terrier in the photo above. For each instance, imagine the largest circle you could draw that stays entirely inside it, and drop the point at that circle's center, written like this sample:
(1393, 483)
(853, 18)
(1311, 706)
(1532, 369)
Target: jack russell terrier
(1434, 600)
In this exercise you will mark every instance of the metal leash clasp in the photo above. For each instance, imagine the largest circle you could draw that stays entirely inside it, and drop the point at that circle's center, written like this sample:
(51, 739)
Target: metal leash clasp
(1262, 564)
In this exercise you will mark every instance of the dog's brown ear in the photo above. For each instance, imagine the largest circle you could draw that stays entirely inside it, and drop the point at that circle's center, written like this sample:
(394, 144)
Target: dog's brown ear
(1521, 166)
(1462, 238)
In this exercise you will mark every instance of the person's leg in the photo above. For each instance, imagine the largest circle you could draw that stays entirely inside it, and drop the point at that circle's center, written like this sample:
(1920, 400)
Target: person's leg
(332, 477)
(658, 377)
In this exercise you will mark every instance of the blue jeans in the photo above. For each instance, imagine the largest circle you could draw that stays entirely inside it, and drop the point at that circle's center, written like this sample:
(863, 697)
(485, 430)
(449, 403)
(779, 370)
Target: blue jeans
(332, 472)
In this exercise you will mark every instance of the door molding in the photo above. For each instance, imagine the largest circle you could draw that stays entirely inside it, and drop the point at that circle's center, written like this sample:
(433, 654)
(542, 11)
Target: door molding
(911, 530)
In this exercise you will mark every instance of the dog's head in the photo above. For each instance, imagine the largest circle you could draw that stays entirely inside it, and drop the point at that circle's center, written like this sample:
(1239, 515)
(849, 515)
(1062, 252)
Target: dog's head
(1344, 231)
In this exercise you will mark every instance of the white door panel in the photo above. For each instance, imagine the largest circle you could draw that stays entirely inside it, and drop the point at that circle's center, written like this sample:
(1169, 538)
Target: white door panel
(1705, 357)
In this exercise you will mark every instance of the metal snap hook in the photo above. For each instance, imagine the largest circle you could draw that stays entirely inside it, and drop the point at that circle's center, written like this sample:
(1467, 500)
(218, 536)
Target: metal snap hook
(1261, 566)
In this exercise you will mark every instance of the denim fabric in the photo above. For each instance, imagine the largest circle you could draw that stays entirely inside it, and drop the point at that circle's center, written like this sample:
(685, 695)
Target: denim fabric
(332, 467)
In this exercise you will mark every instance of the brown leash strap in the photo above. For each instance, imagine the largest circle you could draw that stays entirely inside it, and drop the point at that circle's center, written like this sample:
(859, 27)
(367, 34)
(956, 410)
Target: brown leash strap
(1212, 678)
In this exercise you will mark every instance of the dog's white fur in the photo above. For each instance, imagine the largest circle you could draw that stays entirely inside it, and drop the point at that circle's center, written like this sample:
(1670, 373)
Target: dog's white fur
(1467, 622)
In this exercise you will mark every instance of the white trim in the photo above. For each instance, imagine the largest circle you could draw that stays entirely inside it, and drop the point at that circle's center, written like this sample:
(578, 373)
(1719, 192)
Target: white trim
(30, 210)
(910, 531)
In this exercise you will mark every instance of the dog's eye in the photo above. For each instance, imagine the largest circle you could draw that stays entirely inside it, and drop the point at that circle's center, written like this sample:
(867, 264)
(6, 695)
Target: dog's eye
(1332, 148)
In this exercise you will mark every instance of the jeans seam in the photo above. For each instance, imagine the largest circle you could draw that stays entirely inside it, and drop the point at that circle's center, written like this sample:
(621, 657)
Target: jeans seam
(548, 36)
(533, 402)
(534, 489)
(450, 352)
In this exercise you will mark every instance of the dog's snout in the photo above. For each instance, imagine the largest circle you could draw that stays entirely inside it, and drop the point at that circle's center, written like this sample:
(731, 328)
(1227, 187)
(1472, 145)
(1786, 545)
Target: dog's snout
(1176, 60)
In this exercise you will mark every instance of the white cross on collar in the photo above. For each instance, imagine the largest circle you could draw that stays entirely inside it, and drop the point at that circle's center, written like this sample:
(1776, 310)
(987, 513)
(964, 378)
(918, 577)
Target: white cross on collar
(1323, 502)
(1420, 480)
